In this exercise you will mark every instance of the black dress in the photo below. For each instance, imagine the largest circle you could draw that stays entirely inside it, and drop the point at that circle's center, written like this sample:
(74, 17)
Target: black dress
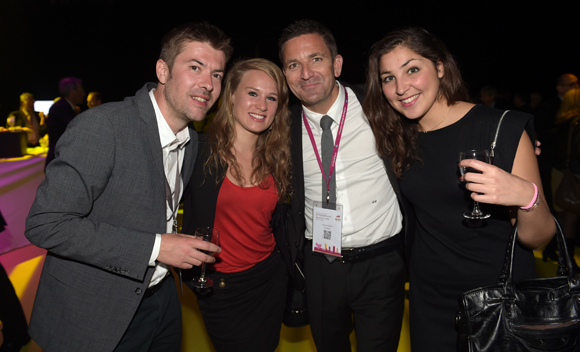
(449, 254)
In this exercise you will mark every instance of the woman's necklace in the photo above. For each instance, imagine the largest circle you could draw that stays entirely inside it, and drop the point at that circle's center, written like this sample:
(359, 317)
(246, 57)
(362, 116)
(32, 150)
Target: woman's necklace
(440, 122)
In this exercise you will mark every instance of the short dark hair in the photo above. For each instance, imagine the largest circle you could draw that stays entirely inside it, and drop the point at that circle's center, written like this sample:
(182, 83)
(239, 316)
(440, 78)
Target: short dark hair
(97, 95)
(489, 90)
(174, 41)
(67, 84)
(25, 95)
(303, 27)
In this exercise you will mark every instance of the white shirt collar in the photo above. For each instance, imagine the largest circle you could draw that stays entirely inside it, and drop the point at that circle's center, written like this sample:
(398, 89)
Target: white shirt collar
(166, 135)
(73, 106)
(334, 112)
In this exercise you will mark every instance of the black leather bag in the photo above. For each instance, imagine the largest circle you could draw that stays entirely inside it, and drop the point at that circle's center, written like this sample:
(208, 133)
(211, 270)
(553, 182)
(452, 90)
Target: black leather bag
(529, 315)
(296, 312)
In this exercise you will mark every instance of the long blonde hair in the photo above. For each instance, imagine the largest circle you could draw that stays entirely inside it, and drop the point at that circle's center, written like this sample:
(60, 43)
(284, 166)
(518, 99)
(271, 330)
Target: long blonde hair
(272, 154)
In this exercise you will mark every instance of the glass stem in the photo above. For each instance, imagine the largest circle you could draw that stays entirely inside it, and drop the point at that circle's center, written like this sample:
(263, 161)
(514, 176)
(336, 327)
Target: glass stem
(476, 210)
(202, 275)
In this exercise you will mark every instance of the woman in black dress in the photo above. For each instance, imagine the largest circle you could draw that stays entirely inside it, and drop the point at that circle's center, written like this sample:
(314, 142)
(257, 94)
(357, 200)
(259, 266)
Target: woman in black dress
(416, 104)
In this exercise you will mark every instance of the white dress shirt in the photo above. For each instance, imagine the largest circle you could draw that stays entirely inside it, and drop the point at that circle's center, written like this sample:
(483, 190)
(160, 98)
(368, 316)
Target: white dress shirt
(371, 211)
(169, 142)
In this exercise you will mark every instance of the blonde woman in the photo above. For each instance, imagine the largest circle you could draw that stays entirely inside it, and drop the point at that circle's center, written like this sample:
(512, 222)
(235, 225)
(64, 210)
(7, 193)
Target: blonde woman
(242, 173)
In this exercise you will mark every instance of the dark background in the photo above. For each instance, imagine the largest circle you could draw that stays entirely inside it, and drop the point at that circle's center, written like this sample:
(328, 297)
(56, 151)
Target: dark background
(113, 45)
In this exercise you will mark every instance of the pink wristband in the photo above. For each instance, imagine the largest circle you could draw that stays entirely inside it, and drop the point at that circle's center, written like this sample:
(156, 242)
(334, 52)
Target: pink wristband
(533, 199)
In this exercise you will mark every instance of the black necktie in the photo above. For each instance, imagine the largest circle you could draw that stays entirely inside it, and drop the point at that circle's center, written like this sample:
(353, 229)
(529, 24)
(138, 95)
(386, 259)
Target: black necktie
(327, 146)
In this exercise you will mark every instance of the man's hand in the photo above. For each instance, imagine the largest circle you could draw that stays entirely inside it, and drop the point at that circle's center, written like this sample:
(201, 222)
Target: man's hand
(181, 251)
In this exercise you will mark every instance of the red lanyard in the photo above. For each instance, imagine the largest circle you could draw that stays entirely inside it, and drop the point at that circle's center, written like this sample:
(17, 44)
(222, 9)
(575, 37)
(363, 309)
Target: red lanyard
(336, 144)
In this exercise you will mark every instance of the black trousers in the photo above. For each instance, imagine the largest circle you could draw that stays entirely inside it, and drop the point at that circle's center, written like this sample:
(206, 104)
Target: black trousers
(371, 292)
(156, 326)
(245, 312)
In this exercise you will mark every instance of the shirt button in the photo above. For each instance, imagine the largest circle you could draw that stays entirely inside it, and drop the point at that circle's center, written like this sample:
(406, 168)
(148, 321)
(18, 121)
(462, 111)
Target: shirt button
(138, 291)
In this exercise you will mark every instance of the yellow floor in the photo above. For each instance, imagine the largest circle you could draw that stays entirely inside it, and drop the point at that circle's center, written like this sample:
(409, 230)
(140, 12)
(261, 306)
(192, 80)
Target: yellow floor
(23, 267)
(291, 339)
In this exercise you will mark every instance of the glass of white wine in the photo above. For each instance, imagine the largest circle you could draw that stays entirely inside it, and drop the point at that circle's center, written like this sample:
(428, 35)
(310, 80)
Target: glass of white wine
(208, 234)
(481, 155)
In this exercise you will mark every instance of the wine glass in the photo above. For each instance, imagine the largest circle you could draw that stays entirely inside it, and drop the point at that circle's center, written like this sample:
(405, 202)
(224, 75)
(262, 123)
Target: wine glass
(11, 121)
(481, 155)
(208, 234)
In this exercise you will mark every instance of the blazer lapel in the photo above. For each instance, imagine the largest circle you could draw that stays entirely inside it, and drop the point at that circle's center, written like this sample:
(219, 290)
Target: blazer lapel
(189, 157)
(296, 148)
(147, 114)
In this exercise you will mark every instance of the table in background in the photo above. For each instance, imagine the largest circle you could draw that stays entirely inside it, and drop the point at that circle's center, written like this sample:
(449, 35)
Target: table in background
(13, 144)
(19, 179)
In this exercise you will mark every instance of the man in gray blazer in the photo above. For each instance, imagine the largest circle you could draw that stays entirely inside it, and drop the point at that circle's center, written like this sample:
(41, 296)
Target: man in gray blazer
(105, 211)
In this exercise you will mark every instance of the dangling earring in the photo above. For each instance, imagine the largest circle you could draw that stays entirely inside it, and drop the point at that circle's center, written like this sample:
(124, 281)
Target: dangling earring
(271, 126)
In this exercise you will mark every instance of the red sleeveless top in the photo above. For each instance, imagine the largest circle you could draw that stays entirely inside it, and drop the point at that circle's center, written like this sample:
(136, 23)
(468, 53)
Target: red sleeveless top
(243, 217)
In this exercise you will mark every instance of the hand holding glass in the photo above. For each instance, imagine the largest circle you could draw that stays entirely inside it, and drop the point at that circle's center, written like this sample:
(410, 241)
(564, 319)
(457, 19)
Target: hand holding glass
(481, 155)
(208, 234)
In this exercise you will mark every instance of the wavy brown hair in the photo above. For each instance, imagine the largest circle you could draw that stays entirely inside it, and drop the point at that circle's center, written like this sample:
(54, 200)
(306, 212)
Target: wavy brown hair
(272, 154)
(395, 135)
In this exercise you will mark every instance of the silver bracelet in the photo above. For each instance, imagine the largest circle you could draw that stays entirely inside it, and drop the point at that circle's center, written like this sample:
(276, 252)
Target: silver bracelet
(535, 204)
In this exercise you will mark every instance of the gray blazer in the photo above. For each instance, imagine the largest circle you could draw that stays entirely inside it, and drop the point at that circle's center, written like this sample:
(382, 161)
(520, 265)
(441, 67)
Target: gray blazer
(97, 213)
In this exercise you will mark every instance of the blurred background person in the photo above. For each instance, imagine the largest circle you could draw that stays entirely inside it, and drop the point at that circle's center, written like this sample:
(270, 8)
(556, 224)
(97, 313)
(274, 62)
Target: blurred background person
(568, 117)
(241, 176)
(520, 102)
(554, 139)
(488, 96)
(63, 111)
(27, 117)
(536, 99)
(94, 99)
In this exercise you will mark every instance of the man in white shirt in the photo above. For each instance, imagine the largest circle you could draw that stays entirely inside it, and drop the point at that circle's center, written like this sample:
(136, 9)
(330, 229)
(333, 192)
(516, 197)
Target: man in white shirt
(27, 117)
(367, 280)
(106, 211)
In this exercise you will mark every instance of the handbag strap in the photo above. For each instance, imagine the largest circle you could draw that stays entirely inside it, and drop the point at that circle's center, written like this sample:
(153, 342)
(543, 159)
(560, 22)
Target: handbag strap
(565, 267)
(493, 144)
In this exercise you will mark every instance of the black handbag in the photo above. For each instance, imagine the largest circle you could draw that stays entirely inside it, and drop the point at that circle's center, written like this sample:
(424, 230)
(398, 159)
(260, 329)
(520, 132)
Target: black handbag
(296, 311)
(529, 315)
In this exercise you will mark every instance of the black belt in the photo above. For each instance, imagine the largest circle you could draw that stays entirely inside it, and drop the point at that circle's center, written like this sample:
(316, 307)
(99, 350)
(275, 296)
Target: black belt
(150, 291)
(359, 254)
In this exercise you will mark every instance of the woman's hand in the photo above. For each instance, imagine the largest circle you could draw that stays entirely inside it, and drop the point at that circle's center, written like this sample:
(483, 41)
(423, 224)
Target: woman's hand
(495, 186)
(515, 190)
